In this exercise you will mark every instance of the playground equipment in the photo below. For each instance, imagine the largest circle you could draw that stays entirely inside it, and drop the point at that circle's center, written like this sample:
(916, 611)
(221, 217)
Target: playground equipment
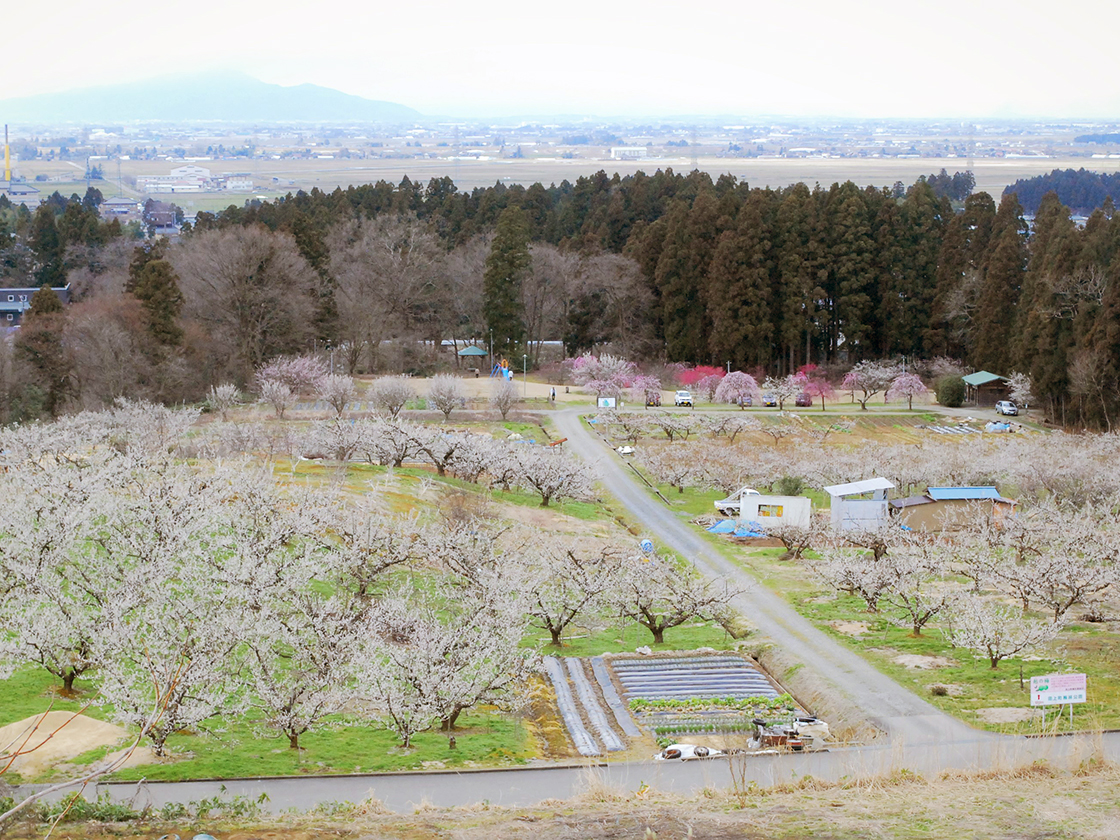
(501, 368)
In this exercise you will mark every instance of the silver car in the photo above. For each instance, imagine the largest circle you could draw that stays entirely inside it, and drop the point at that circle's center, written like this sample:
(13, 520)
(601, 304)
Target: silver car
(1006, 407)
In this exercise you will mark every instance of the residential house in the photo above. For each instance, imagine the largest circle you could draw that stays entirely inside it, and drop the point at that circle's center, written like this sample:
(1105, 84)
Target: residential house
(14, 301)
(985, 389)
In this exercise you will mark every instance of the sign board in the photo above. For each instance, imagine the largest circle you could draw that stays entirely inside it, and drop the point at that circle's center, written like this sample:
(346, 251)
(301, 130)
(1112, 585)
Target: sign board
(646, 545)
(1058, 689)
(607, 402)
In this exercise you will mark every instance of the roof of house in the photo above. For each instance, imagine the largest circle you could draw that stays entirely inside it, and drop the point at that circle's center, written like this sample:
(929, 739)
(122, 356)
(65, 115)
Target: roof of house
(939, 494)
(472, 351)
(855, 488)
(943, 494)
(982, 377)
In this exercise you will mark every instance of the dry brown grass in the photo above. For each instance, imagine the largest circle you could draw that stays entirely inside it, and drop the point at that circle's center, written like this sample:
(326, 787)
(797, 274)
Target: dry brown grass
(1031, 802)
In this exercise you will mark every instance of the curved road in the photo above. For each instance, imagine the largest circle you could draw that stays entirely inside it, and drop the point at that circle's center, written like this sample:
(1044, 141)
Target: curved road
(921, 738)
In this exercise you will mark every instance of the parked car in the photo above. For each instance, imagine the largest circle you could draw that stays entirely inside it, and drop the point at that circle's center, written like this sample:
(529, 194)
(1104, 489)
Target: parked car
(625, 449)
(769, 400)
(803, 400)
(653, 398)
(683, 398)
(1006, 407)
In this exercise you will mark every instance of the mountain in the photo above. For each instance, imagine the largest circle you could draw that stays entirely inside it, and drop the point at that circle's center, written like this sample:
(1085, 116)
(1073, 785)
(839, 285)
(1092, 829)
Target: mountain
(231, 97)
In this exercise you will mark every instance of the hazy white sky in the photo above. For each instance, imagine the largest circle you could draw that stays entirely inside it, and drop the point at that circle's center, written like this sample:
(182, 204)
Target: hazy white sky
(971, 58)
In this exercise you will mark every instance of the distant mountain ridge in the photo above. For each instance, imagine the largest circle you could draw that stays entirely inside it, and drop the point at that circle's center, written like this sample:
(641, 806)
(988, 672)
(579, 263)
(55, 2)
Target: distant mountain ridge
(229, 97)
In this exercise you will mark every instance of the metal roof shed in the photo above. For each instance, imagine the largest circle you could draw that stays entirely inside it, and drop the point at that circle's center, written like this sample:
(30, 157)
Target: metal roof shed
(858, 488)
(942, 494)
(851, 513)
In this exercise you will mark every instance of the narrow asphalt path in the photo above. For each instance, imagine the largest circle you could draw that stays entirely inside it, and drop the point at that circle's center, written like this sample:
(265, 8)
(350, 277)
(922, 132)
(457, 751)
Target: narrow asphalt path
(902, 714)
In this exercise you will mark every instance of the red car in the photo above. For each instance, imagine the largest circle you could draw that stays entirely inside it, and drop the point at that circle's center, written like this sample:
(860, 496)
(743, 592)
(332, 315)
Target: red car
(803, 401)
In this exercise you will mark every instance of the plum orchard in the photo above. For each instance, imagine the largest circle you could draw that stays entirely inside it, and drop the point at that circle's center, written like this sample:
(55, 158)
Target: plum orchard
(208, 590)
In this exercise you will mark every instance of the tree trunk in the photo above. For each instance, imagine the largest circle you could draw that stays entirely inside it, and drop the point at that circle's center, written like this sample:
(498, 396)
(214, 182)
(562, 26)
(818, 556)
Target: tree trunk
(448, 723)
(556, 633)
(658, 634)
(68, 681)
(293, 741)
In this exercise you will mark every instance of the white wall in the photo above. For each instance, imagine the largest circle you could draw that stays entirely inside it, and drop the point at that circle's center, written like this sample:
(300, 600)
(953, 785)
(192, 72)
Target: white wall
(794, 510)
(857, 514)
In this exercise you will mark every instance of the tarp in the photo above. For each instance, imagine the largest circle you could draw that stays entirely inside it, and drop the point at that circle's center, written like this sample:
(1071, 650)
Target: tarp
(724, 526)
(856, 488)
(744, 531)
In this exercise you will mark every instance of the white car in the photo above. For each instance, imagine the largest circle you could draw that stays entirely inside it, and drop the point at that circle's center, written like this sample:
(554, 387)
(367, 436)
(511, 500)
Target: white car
(687, 752)
(625, 450)
(683, 398)
(1006, 407)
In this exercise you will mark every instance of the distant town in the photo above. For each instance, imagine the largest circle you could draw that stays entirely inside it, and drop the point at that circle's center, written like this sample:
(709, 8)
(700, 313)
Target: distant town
(215, 164)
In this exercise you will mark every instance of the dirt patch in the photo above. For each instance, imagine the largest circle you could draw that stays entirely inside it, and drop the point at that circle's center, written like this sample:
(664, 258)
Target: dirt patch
(1007, 715)
(850, 628)
(56, 737)
(919, 662)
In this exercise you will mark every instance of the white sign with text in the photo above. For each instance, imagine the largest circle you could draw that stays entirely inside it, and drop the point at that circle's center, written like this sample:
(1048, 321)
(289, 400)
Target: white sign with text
(1058, 689)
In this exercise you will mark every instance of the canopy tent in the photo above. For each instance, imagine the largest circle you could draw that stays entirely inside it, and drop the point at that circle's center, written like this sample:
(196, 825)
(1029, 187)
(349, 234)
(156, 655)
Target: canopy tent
(473, 351)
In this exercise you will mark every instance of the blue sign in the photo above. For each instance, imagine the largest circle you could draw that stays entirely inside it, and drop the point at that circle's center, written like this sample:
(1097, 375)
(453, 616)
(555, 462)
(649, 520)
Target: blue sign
(646, 546)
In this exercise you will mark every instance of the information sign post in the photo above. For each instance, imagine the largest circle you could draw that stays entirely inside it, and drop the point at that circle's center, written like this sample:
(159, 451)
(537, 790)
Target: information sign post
(1058, 690)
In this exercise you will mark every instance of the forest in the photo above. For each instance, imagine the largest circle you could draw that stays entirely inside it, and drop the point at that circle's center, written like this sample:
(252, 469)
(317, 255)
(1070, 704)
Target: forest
(1079, 189)
(668, 266)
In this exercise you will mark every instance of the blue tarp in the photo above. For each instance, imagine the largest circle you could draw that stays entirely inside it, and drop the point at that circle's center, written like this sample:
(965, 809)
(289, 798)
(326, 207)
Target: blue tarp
(744, 531)
(729, 526)
(725, 526)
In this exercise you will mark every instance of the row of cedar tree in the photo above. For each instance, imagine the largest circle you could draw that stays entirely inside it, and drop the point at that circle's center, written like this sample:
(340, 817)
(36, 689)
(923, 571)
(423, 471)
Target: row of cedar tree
(757, 277)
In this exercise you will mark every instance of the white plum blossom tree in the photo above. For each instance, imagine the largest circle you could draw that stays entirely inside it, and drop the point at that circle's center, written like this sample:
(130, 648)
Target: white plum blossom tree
(279, 395)
(391, 393)
(552, 473)
(445, 393)
(337, 391)
(661, 594)
(224, 397)
(504, 395)
(996, 632)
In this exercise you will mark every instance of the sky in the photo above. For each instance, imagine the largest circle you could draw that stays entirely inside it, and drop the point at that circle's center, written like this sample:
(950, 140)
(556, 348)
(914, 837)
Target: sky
(907, 58)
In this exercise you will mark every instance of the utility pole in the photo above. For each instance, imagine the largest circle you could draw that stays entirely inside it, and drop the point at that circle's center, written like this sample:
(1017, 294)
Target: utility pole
(525, 374)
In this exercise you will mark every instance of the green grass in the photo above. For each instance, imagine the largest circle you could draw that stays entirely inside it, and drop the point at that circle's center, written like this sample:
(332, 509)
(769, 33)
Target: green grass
(626, 639)
(1082, 648)
(31, 690)
(241, 750)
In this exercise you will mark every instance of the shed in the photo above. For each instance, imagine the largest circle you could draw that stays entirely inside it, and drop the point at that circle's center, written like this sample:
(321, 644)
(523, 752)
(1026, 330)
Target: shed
(950, 508)
(985, 388)
(859, 504)
(763, 511)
